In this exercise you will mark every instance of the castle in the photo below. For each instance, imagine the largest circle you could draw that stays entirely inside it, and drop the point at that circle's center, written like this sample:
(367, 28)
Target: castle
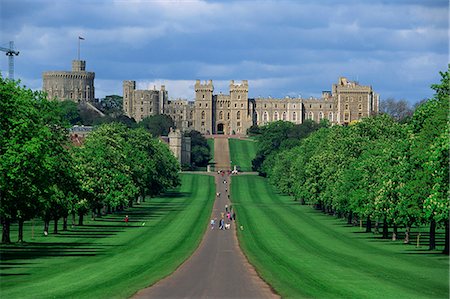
(235, 112)
(76, 85)
(211, 113)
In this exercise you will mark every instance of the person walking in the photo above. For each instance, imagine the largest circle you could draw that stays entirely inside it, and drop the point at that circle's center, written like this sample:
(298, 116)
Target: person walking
(213, 223)
(126, 219)
(226, 208)
(221, 224)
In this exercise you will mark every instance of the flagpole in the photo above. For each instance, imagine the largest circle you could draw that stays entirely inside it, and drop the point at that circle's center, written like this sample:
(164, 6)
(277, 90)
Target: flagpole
(78, 48)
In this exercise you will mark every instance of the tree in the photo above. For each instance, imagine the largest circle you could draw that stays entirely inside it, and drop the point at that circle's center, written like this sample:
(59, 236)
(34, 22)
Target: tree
(157, 125)
(200, 150)
(398, 109)
(33, 144)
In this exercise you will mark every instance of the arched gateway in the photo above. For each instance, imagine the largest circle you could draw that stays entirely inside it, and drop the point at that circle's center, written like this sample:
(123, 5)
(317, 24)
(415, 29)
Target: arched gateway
(220, 129)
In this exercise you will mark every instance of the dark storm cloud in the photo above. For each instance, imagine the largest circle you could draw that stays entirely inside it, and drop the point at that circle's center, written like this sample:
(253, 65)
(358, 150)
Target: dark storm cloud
(282, 47)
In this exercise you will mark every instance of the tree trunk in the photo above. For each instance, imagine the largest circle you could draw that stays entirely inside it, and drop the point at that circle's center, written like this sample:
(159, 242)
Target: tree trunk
(350, 218)
(65, 223)
(407, 232)
(55, 225)
(73, 219)
(446, 237)
(20, 238)
(432, 235)
(46, 225)
(394, 233)
(80, 219)
(385, 229)
(6, 230)
(368, 225)
(108, 209)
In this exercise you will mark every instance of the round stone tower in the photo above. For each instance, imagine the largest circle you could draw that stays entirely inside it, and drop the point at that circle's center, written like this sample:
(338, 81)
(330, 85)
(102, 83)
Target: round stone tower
(76, 85)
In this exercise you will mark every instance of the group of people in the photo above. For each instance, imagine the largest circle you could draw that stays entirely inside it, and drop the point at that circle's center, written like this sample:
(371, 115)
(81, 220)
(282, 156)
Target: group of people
(226, 218)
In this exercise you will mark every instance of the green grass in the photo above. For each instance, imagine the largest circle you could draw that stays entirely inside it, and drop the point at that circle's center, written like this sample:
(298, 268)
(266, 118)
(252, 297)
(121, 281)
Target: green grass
(106, 258)
(242, 152)
(303, 253)
(211, 147)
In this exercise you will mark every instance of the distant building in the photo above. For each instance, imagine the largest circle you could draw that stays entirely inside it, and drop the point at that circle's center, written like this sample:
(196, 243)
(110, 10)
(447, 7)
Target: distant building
(76, 85)
(234, 113)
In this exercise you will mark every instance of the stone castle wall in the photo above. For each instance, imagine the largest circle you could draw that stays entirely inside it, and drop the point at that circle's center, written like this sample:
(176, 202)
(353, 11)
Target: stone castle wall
(234, 113)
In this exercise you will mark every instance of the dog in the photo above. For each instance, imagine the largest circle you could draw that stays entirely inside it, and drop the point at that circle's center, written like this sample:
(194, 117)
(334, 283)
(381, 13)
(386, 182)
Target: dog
(227, 226)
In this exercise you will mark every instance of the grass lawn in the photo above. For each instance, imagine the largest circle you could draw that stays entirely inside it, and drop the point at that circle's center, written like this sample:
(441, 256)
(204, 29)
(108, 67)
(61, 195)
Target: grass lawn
(211, 146)
(106, 258)
(303, 253)
(242, 152)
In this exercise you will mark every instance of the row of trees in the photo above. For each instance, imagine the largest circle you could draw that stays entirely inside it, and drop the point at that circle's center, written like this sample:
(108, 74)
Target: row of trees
(43, 175)
(279, 136)
(377, 169)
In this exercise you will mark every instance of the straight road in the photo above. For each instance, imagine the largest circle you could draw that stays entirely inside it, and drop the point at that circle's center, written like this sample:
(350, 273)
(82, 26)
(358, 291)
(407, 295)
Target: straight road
(218, 268)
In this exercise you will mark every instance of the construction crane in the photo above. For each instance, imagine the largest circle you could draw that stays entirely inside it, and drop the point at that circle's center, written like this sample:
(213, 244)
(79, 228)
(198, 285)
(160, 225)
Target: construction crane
(10, 52)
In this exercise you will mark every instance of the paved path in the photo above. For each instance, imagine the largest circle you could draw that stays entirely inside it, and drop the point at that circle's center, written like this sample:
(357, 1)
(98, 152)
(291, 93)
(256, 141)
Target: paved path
(217, 269)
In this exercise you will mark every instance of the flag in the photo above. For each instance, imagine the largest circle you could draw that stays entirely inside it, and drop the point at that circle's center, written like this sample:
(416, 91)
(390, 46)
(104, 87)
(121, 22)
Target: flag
(82, 38)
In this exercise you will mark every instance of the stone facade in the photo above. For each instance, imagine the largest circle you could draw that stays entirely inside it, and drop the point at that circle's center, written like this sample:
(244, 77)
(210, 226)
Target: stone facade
(234, 113)
(76, 85)
(139, 104)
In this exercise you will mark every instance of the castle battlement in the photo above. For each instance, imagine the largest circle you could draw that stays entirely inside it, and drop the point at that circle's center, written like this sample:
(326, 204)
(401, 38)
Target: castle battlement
(207, 86)
(243, 87)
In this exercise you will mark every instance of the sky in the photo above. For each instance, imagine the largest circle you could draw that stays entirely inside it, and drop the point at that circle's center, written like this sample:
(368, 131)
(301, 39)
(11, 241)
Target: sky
(283, 48)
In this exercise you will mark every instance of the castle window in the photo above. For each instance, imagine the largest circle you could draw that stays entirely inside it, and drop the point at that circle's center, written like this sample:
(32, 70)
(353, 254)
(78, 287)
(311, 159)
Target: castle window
(191, 115)
(346, 117)
(310, 106)
(71, 95)
(242, 105)
(284, 115)
(257, 116)
(266, 116)
(203, 123)
(351, 99)
(238, 123)
(221, 115)
(265, 106)
(330, 116)
(294, 106)
(275, 105)
(206, 105)
(203, 96)
(142, 109)
(360, 98)
(320, 115)
(320, 106)
(330, 106)
(238, 115)
(239, 97)
(359, 115)
(228, 115)
(203, 114)
(235, 105)
(142, 103)
(221, 105)
(346, 106)
(311, 115)
(346, 99)
(275, 116)
(199, 104)
(360, 106)
(294, 116)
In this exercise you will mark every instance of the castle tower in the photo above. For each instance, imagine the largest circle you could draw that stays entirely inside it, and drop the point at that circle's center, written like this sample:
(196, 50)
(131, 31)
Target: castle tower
(128, 90)
(76, 85)
(204, 119)
(354, 101)
(241, 116)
